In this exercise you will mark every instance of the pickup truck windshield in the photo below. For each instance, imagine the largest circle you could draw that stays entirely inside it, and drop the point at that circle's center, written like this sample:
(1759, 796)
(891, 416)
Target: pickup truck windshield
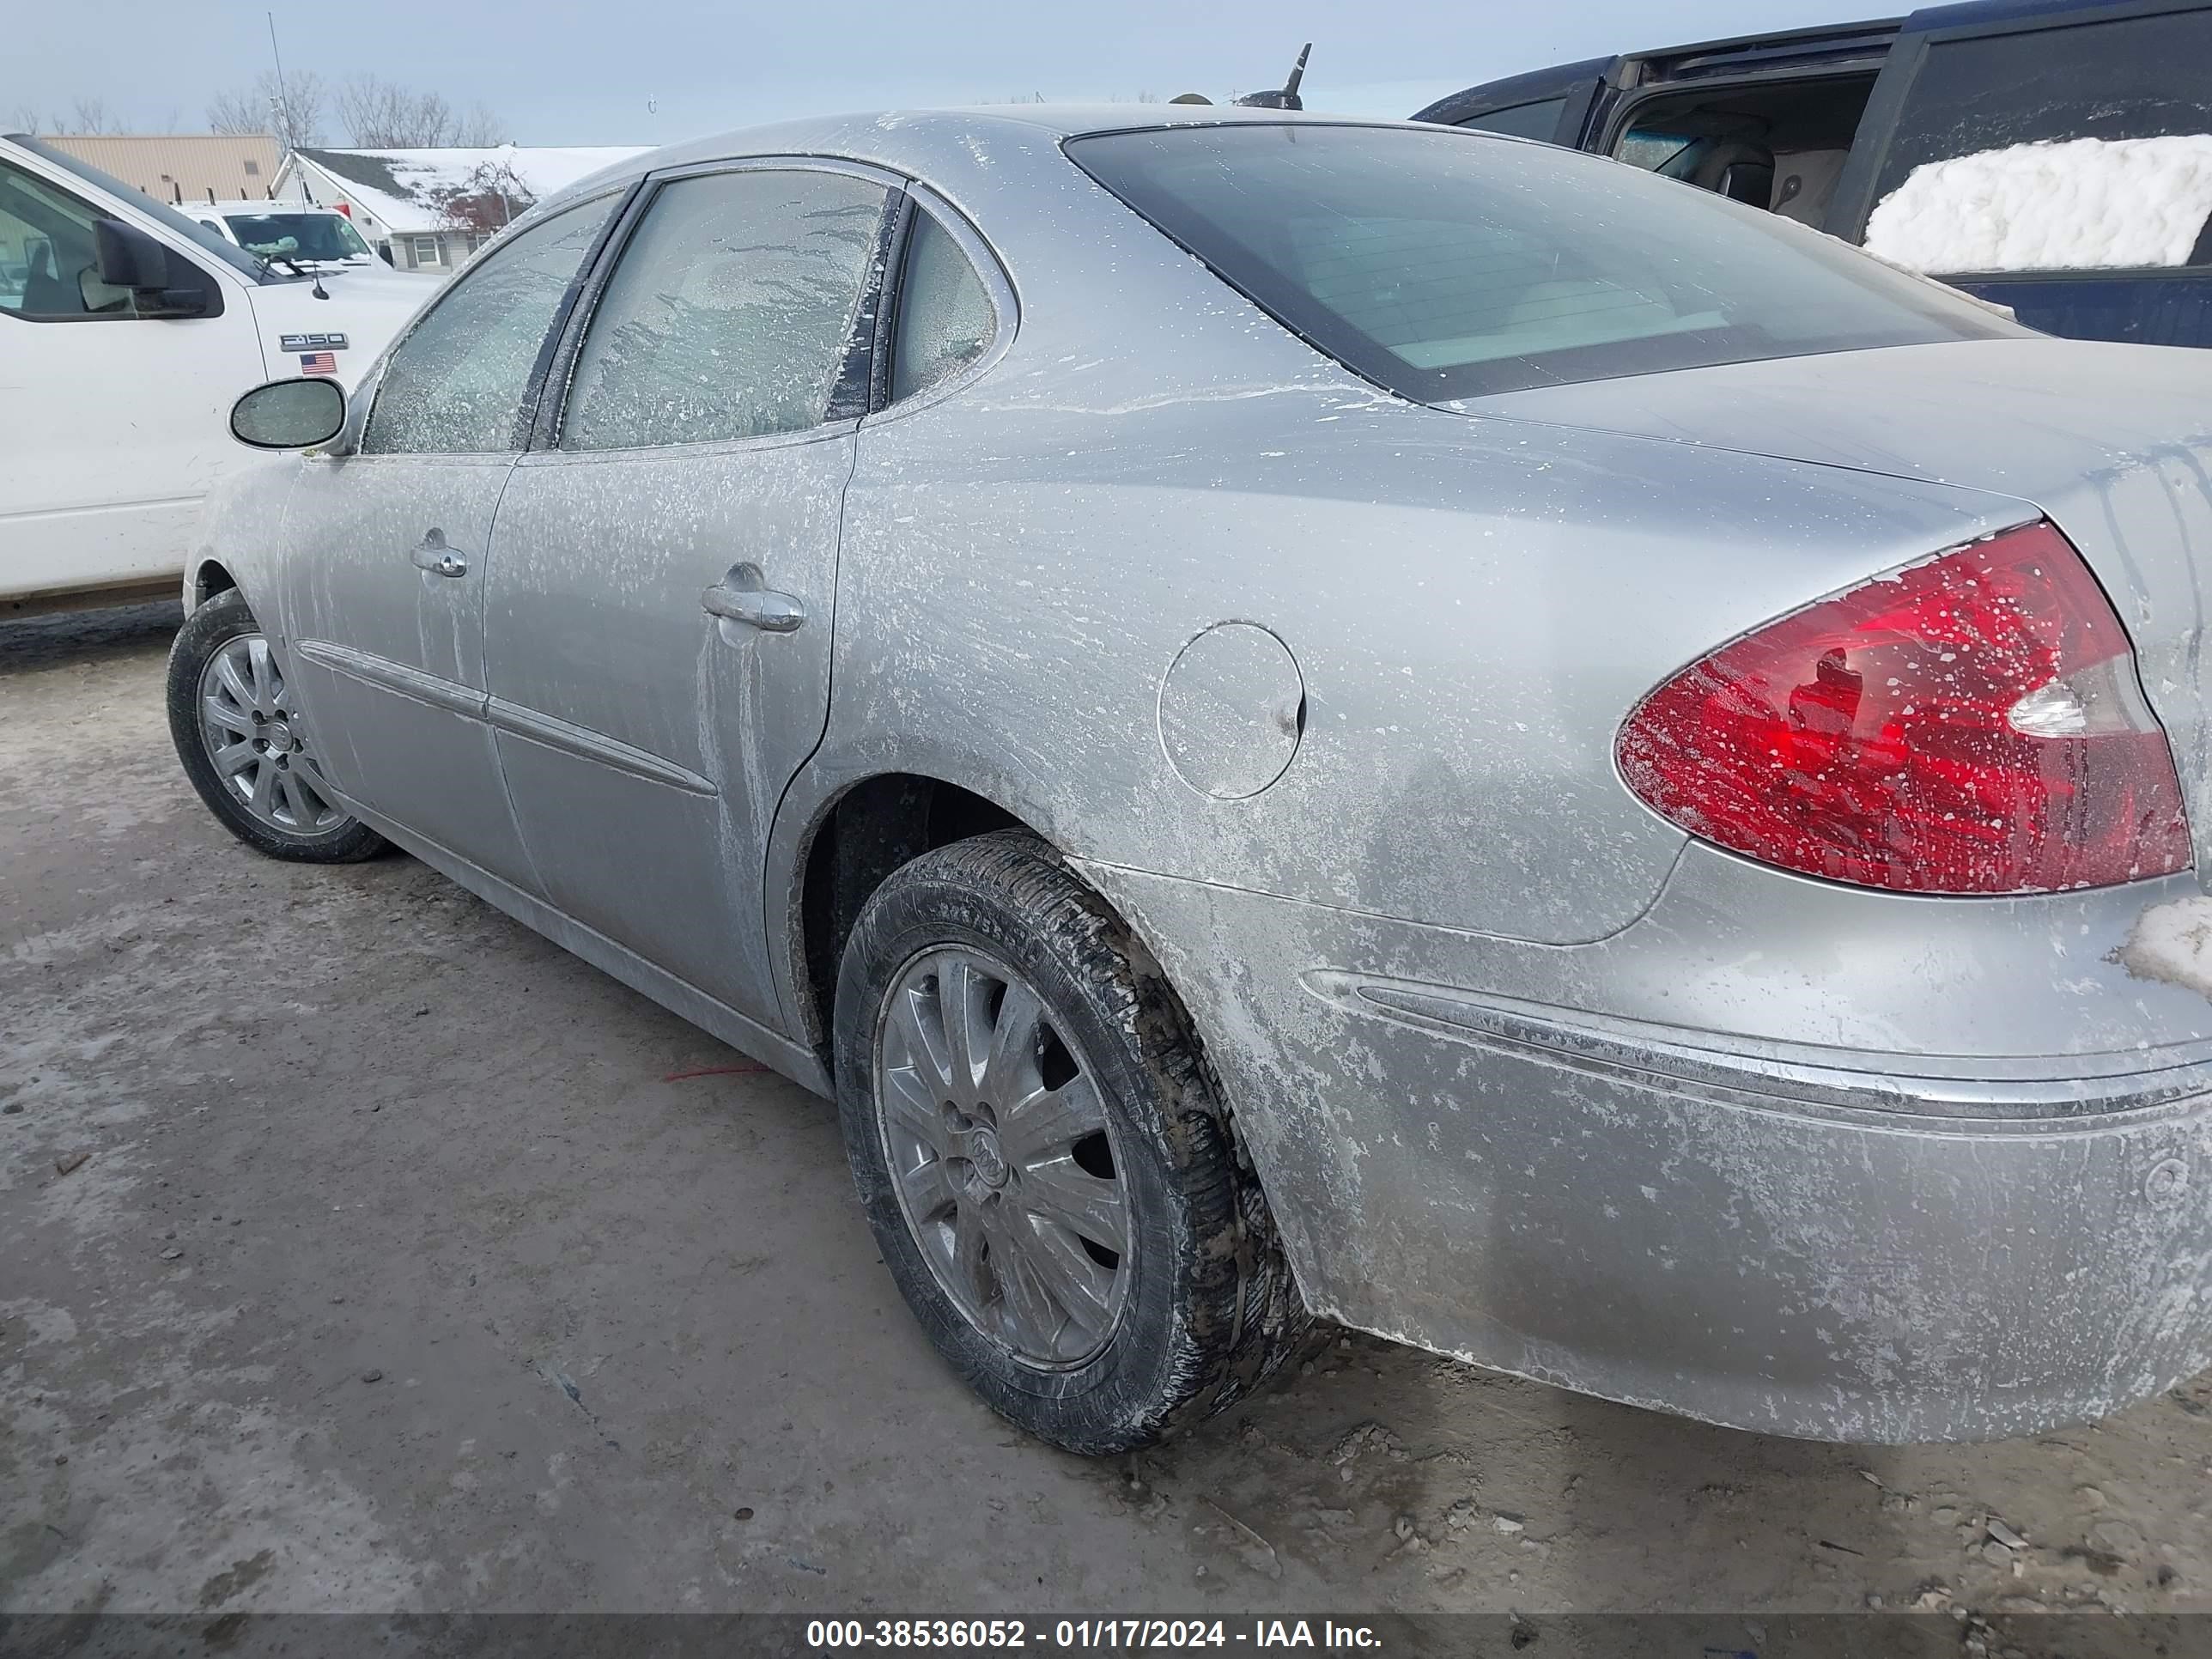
(1446, 265)
(199, 236)
(320, 236)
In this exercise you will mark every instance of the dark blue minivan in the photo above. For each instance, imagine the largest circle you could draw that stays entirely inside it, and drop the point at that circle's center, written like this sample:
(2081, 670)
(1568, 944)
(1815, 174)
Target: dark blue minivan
(1822, 125)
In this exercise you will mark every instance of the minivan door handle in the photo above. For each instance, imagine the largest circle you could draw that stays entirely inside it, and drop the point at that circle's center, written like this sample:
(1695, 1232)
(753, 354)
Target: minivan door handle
(743, 596)
(431, 554)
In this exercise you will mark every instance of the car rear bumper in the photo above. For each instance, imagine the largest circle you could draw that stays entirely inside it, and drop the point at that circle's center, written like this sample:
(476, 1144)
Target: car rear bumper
(1808, 1239)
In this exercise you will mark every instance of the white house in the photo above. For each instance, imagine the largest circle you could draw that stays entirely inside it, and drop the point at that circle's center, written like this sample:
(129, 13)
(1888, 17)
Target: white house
(433, 208)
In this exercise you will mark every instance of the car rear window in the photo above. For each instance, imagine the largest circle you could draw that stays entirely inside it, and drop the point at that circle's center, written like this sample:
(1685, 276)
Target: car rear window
(1443, 264)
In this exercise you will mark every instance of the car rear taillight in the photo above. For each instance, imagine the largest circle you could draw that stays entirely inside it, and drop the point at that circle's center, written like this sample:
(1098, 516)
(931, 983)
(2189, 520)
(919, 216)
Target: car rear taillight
(1972, 724)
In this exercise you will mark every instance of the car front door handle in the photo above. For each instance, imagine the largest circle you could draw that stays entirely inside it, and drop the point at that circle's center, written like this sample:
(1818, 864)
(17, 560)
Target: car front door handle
(743, 596)
(431, 554)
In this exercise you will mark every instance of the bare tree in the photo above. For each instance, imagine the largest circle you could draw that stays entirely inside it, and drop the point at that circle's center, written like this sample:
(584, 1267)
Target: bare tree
(87, 115)
(380, 114)
(481, 127)
(25, 117)
(491, 199)
(292, 113)
(238, 112)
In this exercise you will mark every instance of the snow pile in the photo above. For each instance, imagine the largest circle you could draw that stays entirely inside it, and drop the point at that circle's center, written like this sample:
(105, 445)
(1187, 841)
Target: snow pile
(2077, 205)
(2173, 942)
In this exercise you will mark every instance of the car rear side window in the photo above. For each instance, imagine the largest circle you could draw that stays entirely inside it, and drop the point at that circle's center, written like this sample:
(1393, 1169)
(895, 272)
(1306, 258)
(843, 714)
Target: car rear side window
(1446, 265)
(944, 313)
(730, 313)
(460, 380)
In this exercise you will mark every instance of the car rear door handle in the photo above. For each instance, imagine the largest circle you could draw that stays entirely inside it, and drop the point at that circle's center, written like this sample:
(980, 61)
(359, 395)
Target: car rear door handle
(743, 596)
(431, 554)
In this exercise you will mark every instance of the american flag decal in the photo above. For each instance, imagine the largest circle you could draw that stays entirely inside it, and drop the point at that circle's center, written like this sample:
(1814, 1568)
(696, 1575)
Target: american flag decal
(318, 363)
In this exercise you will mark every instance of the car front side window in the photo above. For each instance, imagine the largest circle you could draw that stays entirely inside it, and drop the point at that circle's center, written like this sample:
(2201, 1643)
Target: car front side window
(461, 381)
(945, 314)
(730, 313)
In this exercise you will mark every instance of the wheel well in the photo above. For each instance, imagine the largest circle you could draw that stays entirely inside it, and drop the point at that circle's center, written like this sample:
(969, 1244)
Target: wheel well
(210, 579)
(874, 827)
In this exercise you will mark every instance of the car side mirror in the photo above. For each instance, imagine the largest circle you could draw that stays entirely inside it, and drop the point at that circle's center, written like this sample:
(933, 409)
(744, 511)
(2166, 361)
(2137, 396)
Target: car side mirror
(124, 257)
(289, 414)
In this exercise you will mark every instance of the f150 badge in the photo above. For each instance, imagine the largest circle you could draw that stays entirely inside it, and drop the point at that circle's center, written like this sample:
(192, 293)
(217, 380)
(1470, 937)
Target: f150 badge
(311, 343)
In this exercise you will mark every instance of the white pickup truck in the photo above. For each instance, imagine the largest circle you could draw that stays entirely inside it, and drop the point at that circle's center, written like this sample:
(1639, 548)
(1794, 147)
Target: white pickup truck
(126, 332)
(302, 234)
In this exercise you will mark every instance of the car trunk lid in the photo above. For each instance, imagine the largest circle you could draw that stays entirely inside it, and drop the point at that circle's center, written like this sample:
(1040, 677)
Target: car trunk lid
(2113, 443)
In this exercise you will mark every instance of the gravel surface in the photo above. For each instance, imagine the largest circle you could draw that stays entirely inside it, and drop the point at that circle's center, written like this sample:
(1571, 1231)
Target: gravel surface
(359, 1249)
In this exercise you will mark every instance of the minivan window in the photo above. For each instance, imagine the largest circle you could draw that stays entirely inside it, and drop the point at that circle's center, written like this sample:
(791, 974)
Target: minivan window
(1537, 121)
(944, 313)
(458, 382)
(2095, 82)
(729, 313)
(1445, 265)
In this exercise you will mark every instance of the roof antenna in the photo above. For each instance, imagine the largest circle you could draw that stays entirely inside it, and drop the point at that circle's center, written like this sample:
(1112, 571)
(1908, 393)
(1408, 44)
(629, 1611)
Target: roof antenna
(1288, 97)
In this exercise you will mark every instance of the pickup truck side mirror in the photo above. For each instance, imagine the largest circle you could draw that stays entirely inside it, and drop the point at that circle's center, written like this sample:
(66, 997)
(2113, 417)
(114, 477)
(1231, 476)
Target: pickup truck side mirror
(296, 414)
(124, 257)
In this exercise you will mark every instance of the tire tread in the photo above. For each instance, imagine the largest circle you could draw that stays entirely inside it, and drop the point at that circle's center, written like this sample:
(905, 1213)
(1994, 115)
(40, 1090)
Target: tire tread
(1241, 1313)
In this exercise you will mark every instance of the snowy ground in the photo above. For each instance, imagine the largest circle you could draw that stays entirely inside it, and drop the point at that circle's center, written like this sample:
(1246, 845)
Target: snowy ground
(397, 1275)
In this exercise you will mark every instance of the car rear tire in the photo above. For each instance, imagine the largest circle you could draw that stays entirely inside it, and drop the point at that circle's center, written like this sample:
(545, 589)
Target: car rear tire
(1048, 1171)
(245, 746)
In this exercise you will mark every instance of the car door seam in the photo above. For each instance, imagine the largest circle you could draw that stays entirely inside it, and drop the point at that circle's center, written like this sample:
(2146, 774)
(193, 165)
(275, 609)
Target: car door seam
(386, 675)
(551, 732)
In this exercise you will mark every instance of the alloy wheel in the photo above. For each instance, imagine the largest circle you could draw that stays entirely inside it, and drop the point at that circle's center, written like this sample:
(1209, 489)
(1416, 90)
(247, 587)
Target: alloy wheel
(257, 742)
(1003, 1157)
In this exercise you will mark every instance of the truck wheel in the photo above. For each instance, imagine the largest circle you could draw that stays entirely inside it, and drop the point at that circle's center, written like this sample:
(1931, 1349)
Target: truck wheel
(245, 746)
(1048, 1172)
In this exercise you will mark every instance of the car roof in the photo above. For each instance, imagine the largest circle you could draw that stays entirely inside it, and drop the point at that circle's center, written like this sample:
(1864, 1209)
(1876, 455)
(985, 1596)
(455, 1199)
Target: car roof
(916, 140)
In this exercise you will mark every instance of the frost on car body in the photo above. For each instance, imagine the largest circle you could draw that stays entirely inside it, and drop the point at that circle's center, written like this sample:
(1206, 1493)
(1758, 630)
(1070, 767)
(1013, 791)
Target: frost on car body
(1427, 476)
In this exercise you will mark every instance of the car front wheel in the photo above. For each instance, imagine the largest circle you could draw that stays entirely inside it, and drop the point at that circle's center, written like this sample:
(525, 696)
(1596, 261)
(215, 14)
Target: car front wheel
(246, 746)
(1050, 1177)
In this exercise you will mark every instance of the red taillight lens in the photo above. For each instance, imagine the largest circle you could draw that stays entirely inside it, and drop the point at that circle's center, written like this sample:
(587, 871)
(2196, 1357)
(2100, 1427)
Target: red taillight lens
(1970, 725)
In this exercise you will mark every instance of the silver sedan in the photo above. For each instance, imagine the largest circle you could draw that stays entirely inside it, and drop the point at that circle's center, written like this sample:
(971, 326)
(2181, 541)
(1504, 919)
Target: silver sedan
(1304, 717)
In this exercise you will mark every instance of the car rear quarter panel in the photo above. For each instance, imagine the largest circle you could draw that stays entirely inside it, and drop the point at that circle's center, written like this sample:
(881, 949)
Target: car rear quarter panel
(1473, 605)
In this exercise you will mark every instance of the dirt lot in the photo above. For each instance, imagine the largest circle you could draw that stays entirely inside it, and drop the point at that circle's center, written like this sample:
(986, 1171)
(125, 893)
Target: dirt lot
(406, 1270)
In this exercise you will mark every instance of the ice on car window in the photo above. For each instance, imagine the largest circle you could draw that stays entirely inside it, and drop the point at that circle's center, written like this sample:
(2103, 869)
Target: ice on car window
(456, 384)
(729, 313)
(945, 316)
(1445, 265)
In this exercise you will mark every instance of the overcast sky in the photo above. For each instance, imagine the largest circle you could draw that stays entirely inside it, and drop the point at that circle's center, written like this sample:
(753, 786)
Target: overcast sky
(652, 71)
